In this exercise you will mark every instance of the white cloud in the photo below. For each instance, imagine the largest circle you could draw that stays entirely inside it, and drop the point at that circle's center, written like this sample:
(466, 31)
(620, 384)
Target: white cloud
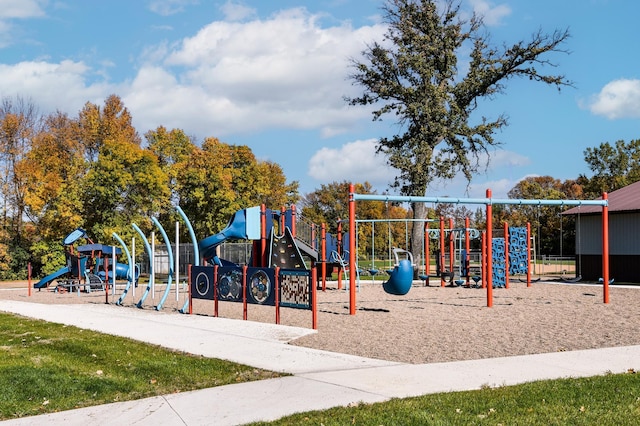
(22, 9)
(492, 15)
(284, 71)
(618, 99)
(236, 11)
(49, 83)
(169, 7)
(355, 161)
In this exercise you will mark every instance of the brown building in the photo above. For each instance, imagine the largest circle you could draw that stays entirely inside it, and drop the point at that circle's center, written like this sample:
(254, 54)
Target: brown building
(624, 237)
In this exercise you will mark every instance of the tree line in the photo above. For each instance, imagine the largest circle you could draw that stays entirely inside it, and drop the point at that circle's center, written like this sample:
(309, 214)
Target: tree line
(92, 171)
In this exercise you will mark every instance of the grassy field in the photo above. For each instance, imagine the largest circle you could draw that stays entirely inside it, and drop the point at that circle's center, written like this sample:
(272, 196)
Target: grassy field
(613, 399)
(47, 367)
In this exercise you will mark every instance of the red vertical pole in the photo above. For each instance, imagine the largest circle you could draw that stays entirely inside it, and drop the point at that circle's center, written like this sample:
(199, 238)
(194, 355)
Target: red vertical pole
(467, 247)
(282, 222)
(29, 278)
(276, 290)
(294, 228)
(506, 255)
(215, 290)
(190, 296)
(323, 257)
(340, 252)
(106, 279)
(441, 251)
(452, 249)
(529, 254)
(605, 249)
(426, 253)
(489, 251)
(263, 236)
(314, 300)
(352, 251)
(483, 261)
(244, 292)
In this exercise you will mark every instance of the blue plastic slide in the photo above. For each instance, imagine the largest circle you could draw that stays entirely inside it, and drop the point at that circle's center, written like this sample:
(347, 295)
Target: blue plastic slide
(243, 225)
(400, 279)
(46, 280)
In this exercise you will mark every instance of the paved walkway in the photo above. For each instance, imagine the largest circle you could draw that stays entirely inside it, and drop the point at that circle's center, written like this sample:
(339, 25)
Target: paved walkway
(320, 379)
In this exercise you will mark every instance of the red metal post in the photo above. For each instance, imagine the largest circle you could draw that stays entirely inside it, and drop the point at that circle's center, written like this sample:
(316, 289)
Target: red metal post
(294, 228)
(106, 279)
(340, 252)
(506, 255)
(529, 254)
(483, 260)
(190, 296)
(29, 278)
(426, 253)
(323, 257)
(276, 289)
(215, 290)
(452, 248)
(352, 251)
(314, 300)
(489, 251)
(244, 292)
(467, 248)
(441, 251)
(263, 235)
(605, 249)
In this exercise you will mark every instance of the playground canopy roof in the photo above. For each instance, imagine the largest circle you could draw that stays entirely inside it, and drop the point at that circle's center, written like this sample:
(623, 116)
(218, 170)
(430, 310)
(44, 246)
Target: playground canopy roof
(622, 200)
(88, 248)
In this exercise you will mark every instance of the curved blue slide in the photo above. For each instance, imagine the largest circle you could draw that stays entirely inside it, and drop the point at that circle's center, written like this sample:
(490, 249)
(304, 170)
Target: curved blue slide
(46, 280)
(243, 225)
(400, 279)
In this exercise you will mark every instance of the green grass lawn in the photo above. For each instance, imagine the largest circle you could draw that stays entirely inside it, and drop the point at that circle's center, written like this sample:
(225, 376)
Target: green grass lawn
(613, 399)
(47, 367)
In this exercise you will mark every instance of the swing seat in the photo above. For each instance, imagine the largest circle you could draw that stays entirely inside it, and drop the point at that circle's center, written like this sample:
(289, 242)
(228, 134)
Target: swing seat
(400, 279)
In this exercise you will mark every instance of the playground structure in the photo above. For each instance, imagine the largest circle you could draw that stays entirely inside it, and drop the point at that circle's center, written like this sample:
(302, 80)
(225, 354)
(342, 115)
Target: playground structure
(87, 266)
(282, 267)
(277, 274)
(487, 248)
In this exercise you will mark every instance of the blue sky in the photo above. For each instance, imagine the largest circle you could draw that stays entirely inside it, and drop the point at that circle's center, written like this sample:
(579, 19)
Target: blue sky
(272, 75)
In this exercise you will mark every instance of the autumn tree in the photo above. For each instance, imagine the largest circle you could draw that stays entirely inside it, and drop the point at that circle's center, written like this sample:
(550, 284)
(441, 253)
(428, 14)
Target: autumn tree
(613, 167)
(416, 74)
(219, 179)
(53, 171)
(124, 183)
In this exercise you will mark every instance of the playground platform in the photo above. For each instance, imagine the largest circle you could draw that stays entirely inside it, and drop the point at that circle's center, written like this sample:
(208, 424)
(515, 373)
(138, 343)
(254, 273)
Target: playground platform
(319, 379)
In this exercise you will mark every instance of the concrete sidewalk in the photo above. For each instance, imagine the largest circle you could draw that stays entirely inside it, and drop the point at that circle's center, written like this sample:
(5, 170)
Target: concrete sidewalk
(321, 379)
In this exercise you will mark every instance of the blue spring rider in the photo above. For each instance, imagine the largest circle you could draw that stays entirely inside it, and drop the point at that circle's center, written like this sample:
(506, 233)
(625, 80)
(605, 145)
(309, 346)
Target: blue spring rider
(401, 277)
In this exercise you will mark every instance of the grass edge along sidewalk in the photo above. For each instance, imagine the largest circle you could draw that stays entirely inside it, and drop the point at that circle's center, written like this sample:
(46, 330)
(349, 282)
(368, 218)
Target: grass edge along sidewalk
(611, 399)
(48, 367)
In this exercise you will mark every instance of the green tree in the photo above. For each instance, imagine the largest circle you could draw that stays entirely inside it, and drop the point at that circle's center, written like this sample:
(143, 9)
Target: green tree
(173, 150)
(554, 233)
(415, 75)
(614, 167)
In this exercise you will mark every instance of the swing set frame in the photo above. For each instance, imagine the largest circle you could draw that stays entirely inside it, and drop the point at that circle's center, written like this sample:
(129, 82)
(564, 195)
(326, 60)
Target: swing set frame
(488, 201)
